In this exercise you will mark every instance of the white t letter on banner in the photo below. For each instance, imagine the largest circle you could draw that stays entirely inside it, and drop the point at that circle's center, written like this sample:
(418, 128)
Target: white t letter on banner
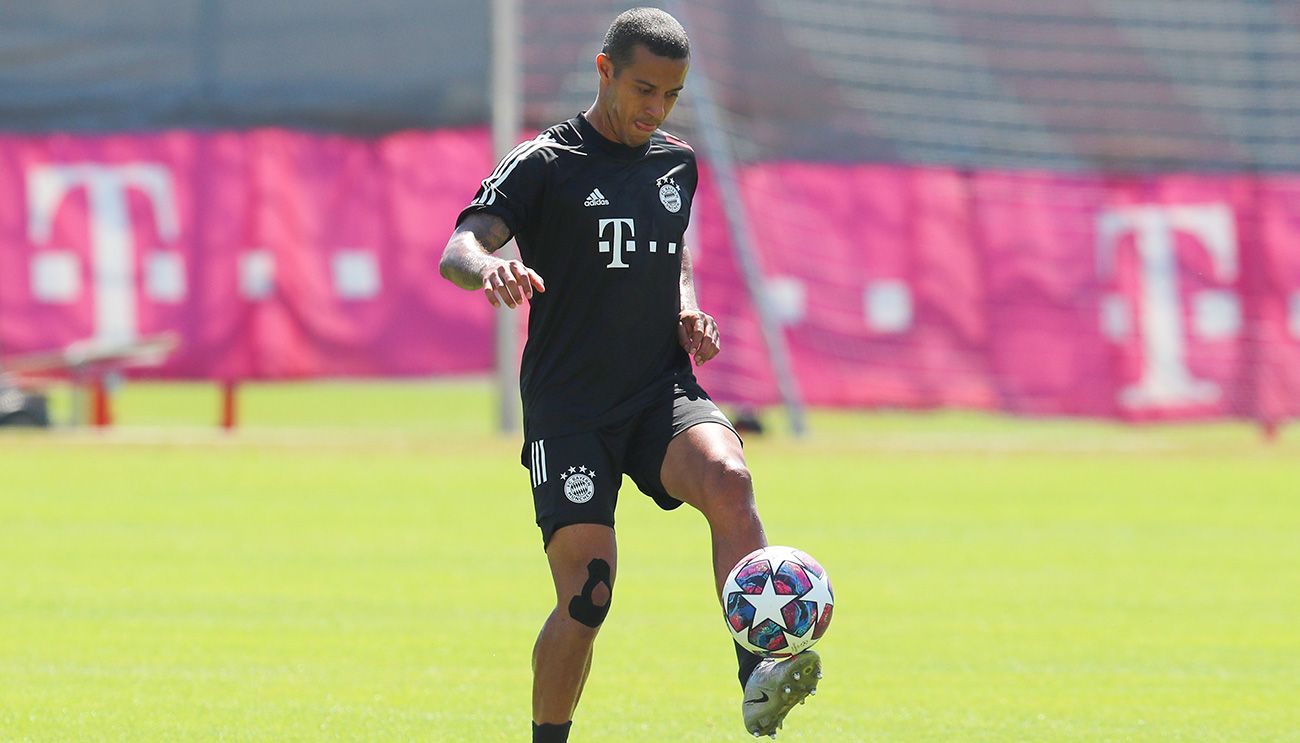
(111, 244)
(1166, 380)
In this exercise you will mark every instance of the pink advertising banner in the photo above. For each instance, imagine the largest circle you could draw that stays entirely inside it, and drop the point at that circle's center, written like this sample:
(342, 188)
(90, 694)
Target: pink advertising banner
(285, 255)
(1145, 297)
(272, 254)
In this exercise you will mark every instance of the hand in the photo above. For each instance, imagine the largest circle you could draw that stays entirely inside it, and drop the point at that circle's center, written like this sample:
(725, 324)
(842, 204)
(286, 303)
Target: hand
(698, 334)
(511, 282)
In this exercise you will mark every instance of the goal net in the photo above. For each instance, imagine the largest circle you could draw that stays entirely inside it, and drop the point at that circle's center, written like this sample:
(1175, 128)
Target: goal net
(1055, 207)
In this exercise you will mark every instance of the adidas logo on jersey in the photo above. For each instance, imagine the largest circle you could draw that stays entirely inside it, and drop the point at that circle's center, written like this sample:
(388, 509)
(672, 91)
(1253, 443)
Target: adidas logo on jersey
(596, 198)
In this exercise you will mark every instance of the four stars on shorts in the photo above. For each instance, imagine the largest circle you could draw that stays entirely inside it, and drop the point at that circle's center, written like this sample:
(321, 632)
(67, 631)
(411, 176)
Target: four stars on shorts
(580, 469)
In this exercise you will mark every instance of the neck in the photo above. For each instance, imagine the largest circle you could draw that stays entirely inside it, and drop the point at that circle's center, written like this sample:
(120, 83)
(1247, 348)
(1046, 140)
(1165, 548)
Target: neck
(598, 117)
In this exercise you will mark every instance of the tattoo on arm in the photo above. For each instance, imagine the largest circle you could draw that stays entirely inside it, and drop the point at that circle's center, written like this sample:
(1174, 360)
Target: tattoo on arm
(688, 300)
(469, 251)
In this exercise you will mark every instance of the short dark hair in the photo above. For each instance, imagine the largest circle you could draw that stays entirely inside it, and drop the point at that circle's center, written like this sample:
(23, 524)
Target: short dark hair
(661, 34)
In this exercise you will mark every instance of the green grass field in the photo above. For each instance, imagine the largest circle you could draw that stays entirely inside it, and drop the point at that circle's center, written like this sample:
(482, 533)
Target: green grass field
(358, 562)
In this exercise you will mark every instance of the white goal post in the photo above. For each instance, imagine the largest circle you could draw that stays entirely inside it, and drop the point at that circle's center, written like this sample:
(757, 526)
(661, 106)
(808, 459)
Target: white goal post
(507, 120)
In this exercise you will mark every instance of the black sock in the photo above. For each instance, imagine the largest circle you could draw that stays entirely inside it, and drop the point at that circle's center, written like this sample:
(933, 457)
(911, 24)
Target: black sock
(548, 733)
(748, 662)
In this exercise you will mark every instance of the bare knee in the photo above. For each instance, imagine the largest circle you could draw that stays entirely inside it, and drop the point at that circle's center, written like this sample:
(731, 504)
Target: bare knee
(729, 486)
(728, 475)
(589, 604)
(582, 558)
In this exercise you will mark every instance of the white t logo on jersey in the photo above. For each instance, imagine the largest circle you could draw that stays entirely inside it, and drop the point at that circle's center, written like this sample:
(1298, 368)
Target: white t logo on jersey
(616, 244)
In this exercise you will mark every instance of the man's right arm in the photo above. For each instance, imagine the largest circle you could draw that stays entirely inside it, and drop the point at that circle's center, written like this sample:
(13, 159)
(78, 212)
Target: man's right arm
(467, 262)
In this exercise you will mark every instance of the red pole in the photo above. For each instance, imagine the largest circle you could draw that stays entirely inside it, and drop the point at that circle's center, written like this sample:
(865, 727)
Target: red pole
(228, 404)
(1269, 426)
(101, 413)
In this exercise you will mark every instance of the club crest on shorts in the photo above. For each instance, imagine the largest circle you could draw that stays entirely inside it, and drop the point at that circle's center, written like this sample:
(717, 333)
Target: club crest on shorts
(578, 484)
(670, 195)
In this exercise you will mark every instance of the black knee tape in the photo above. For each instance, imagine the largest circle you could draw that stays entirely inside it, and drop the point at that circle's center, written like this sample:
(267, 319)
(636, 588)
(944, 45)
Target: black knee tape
(581, 607)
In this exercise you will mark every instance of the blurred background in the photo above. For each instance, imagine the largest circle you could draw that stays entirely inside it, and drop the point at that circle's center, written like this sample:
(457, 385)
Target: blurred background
(1011, 286)
(1049, 208)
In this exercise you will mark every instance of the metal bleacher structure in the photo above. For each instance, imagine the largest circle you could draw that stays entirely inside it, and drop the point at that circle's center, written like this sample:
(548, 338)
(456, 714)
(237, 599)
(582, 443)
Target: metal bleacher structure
(1131, 85)
(1057, 84)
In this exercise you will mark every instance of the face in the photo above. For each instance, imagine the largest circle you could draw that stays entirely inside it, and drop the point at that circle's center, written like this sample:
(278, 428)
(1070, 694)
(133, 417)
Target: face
(635, 102)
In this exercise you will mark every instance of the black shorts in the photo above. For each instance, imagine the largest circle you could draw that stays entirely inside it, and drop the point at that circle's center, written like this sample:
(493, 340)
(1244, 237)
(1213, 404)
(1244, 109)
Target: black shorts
(576, 477)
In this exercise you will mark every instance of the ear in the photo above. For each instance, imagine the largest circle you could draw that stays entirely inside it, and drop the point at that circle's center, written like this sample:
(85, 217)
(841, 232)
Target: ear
(605, 68)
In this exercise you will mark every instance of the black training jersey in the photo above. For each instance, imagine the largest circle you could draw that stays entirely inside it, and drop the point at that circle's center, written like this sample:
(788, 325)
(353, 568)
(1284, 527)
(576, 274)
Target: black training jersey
(603, 225)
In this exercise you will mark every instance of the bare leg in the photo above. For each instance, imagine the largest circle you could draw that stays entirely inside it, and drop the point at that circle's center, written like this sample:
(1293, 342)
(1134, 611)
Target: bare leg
(583, 559)
(705, 467)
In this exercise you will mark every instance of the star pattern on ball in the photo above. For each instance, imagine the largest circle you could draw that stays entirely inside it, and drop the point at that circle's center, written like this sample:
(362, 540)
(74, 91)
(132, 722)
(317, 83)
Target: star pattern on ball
(820, 592)
(795, 641)
(768, 604)
(732, 586)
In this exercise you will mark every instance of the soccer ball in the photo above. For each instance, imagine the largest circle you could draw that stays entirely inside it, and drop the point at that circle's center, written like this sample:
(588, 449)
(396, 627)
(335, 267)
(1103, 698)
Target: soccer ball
(777, 601)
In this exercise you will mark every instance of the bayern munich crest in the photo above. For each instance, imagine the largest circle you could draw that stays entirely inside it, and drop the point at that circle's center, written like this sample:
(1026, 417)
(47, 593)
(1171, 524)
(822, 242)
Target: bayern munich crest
(578, 484)
(670, 196)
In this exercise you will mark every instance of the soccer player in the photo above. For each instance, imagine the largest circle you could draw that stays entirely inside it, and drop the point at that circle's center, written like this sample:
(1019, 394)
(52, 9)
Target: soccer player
(598, 206)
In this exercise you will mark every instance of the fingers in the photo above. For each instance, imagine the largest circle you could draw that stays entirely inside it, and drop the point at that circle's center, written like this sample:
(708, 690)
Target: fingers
(709, 345)
(521, 284)
(536, 281)
(511, 283)
(497, 286)
(698, 334)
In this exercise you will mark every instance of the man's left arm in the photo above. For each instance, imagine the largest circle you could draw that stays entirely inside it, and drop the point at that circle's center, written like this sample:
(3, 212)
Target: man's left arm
(696, 330)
